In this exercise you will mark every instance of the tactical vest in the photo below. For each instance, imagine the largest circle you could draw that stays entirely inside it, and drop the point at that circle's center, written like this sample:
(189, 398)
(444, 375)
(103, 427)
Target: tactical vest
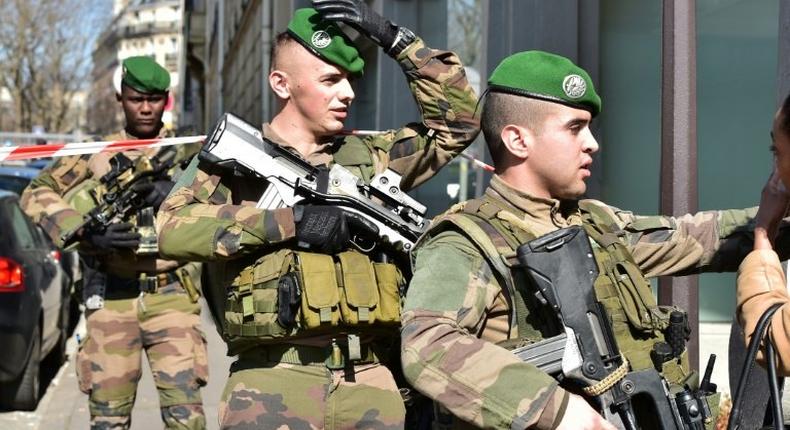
(345, 292)
(638, 322)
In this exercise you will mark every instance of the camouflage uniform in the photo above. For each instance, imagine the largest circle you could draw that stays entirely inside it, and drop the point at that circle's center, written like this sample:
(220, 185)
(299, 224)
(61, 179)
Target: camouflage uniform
(164, 323)
(211, 216)
(456, 321)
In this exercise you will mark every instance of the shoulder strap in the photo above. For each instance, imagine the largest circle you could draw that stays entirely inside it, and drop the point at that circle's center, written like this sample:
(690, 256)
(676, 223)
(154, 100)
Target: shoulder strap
(599, 224)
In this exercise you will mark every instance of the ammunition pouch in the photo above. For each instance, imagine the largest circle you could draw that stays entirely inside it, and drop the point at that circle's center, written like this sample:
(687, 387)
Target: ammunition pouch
(289, 293)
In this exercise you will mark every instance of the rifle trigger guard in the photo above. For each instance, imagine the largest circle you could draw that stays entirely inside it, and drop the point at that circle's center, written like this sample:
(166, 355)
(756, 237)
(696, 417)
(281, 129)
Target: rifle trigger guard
(361, 246)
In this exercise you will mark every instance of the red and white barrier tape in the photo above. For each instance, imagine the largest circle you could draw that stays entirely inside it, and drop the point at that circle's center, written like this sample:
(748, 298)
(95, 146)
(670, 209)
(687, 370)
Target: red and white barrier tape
(29, 152)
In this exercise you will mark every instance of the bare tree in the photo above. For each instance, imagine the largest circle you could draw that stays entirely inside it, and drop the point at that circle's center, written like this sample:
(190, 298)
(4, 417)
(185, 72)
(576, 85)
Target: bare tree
(464, 31)
(45, 58)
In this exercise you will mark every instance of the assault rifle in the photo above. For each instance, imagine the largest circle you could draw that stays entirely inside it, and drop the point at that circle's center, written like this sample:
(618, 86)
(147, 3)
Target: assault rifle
(239, 146)
(563, 269)
(120, 198)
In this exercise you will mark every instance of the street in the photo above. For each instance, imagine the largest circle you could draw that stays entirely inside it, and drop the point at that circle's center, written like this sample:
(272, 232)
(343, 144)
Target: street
(64, 406)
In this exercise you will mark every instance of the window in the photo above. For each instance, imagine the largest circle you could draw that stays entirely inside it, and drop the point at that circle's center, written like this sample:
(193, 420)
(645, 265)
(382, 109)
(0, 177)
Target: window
(21, 229)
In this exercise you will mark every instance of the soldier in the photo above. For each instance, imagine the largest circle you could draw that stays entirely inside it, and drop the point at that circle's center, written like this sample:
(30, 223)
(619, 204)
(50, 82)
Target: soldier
(457, 325)
(135, 303)
(325, 370)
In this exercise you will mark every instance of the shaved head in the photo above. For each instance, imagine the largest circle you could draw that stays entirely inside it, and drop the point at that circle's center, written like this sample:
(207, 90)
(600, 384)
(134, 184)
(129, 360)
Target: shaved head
(502, 109)
(284, 49)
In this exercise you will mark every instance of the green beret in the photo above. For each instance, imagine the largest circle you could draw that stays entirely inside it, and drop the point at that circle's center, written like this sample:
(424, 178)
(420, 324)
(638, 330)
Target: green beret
(325, 39)
(546, 76)
(145, 75)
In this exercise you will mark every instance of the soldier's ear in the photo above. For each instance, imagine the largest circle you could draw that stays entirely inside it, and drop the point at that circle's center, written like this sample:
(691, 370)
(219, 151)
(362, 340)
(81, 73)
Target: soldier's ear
(517, 140)
(278, 81)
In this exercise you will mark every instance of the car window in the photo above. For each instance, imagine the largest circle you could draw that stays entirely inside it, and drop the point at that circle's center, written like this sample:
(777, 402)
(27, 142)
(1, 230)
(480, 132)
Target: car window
(14, 184)
(21, 229)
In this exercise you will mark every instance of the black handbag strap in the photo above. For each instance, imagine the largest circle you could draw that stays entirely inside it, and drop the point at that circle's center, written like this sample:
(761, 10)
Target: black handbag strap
(748, 364)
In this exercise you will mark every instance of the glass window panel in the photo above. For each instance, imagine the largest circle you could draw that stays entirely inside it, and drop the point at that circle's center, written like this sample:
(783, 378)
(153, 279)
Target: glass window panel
(736, 99)
(22, 233)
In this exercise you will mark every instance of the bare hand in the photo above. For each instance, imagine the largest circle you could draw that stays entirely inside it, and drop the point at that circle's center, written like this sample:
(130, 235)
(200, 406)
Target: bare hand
(774, 200)
(579, 415)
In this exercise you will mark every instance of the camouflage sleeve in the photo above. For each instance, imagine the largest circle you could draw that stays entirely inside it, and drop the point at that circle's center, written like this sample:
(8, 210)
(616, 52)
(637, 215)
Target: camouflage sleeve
(199, 220)
(43, 201)
(443, 355)
(448, 124)
(708, 241)
(761, 284)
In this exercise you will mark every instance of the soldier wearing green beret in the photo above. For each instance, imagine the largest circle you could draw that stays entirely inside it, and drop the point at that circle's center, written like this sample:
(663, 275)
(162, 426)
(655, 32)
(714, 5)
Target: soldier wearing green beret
(325, 370)
(459, 322)
(135, 303)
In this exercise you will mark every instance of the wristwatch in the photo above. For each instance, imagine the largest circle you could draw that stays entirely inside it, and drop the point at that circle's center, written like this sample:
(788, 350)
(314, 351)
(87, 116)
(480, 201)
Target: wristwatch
(404, 38)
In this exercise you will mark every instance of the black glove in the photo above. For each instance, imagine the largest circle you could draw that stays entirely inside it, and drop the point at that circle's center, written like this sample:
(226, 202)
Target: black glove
(357, 14)
(154, 193)
(328, 229)
(116, 236)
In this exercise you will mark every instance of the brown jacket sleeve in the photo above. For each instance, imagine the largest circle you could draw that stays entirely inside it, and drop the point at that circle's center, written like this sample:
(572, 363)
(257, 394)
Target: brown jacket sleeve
(761, 284)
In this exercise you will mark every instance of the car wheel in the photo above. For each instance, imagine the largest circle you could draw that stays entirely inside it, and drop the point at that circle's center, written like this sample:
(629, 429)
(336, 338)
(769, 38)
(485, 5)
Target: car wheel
(23, 394)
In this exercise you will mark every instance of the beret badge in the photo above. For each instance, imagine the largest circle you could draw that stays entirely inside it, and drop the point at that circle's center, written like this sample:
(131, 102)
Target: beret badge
(321, 39)
(574, 86)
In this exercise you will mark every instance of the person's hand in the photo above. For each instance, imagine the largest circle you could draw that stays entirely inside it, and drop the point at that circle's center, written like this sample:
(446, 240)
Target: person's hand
(154, 193)
(328, 229)
(774, 200)
(357, 14)
(579, 415)
(116, 236)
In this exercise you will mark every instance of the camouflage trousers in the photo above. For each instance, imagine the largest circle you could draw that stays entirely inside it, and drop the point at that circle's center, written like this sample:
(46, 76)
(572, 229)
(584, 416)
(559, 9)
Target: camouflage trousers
(165, 325)
(308, 397)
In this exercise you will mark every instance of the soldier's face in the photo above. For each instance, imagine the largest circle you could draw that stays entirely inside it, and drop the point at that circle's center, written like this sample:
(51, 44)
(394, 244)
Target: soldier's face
(781, 148)
(143, 111)
(320, 93)
(561, 153)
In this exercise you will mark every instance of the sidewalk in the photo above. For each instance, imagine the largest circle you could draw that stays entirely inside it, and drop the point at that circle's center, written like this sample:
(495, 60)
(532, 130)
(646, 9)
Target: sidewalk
(65, 407)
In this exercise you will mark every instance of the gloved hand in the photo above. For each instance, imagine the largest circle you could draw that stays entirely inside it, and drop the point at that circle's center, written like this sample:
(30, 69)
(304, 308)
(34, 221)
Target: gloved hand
(357, 14)
(154, 193)
(328, 229)
(116, 236)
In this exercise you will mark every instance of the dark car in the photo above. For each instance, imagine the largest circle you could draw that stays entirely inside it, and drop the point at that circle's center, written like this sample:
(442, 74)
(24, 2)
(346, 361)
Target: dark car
(34, 306)
(15, 178)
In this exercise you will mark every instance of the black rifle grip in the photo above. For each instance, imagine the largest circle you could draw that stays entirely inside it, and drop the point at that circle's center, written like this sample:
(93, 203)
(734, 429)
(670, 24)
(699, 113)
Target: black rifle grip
(677, 332)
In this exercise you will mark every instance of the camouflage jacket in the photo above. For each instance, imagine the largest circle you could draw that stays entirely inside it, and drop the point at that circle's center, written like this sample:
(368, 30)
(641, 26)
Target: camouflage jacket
(43, 200)
(454, 317)
(211, 216)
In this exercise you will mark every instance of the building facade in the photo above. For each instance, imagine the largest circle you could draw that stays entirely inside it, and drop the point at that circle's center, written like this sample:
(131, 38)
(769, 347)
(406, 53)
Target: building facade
(138, 27)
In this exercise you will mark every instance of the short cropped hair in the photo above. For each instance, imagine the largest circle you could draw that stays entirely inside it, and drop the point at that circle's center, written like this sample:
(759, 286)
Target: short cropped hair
(280, 41)
(502, 109)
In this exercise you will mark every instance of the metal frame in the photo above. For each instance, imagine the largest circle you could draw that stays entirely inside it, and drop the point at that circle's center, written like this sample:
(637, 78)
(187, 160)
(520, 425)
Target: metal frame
(678, 191)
